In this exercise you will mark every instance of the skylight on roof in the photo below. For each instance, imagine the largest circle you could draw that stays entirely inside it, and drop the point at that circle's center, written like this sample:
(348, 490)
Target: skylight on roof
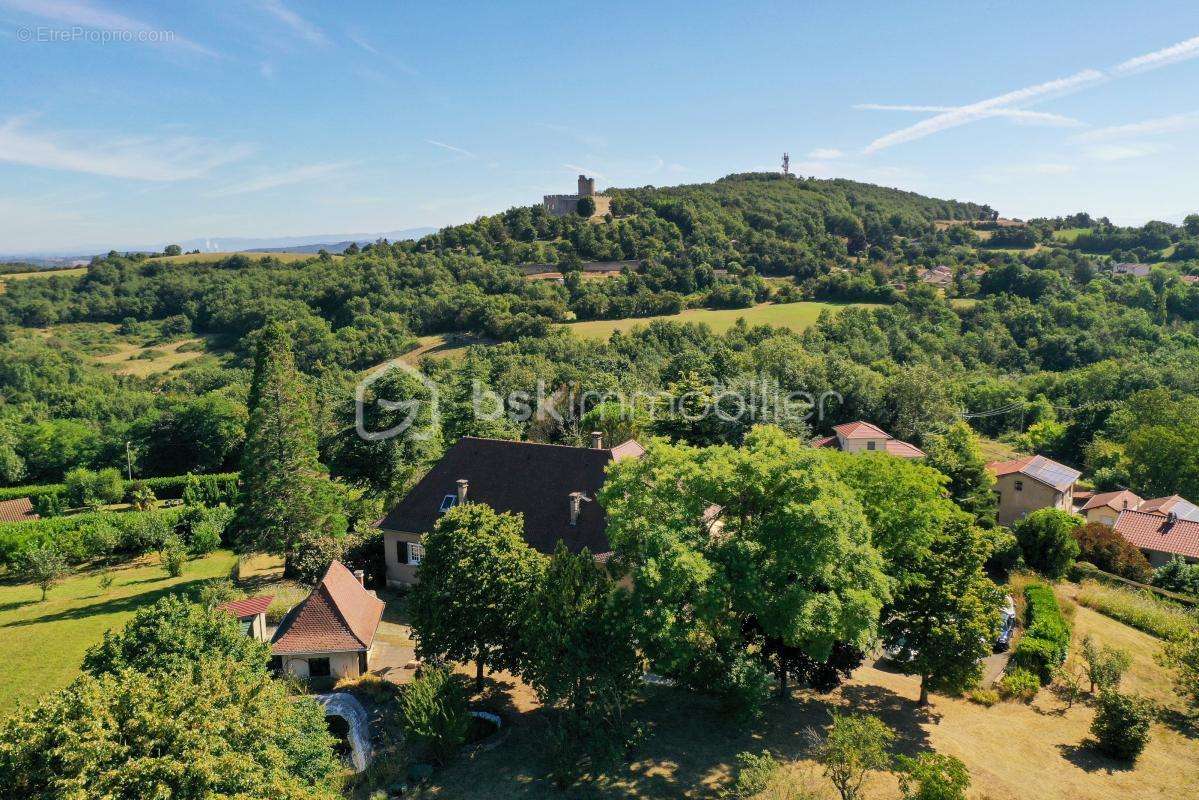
(447, 502)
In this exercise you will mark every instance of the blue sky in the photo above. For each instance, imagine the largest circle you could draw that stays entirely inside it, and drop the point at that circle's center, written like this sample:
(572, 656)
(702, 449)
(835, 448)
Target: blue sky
(293, 117)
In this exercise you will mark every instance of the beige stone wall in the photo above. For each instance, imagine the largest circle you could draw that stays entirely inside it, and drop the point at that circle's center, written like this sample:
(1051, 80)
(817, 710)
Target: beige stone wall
(863, 445)
(561, 205)
(341, 665)
(394, 545)
(1104, 514)
(1015, 504)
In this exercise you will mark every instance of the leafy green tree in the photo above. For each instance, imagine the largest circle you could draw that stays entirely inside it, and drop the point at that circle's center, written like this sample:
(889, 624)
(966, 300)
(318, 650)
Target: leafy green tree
(12, 466)
(204, 434)
(582, 660)
(172, 250)
(140, 496)
(1121, 724)
(740, 554)
(1162, 460)
(434, 713)
(1111, 552)
(1176, 575)
(971, 485)
(44, 565)
(1105, 665)
(1047, 540)
(933, 776)
(174, 634)
(475, 578)
(215, 731)
(855, 745)
(1182, 656)
(586, 207)
(285, 494)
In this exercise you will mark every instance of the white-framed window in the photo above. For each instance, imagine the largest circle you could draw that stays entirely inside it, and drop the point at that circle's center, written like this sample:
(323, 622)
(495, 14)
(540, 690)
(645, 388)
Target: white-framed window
(416, 552)
(447, 502)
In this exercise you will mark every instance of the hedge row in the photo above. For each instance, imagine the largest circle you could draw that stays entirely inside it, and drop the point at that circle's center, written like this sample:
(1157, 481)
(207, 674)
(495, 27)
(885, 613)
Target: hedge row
(165, 488)
(1046, 639)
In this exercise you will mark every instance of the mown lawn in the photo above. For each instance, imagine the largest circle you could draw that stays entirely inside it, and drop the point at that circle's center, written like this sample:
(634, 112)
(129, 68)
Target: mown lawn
(44, 642)
(796, 316)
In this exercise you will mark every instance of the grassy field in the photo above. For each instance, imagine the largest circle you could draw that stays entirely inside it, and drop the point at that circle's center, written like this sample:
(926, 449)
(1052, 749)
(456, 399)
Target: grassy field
(1013, 751)
(995, 450)
(796, 316)
(40, 273)
(44, 643)
(1069, 235)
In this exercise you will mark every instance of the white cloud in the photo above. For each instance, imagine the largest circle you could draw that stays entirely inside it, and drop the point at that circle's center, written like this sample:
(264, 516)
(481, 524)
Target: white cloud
(291, 19)
(983, 108)
(826, 153)
(451, 148)
(286, 178)
(1016, 114)
(1160, 58)
(580, 170)
(1120, 152)
(147, 159)
(96, 17)
(1149, 127)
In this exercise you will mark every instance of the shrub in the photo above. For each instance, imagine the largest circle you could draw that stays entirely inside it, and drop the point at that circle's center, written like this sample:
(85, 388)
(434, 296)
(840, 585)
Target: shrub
(1046, 641)
(1182, 656)
(1111, 552)
(174, 556)
(1082, 570)
(754, 772)
(1121, 725)
(44, 566)
(1019, 684)
(1139, 609)
(204, 527)
(933, 776)
(86, 488)
(1178, 576)
(1047, 541)
(983, 697)
(433, 709)
(856, 744)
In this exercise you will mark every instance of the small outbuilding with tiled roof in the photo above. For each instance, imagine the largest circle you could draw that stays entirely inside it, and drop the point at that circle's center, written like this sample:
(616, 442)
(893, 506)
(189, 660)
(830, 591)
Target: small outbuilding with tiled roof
(1160, 536)
(251, 613)
(331, 633)
(1106, 506)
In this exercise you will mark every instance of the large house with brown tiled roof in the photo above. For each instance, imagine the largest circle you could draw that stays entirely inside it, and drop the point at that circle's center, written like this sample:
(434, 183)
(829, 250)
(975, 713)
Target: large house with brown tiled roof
(552, 486)
(1160, 536)
(18, 510)
(330, 634)
(863, 437)
(1027, 484)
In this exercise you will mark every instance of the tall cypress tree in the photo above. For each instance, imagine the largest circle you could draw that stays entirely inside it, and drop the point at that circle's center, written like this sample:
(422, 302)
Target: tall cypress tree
(286, 495)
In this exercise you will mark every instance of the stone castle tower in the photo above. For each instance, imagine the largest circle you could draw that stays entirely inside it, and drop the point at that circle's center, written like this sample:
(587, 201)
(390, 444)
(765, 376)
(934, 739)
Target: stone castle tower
(560, 205)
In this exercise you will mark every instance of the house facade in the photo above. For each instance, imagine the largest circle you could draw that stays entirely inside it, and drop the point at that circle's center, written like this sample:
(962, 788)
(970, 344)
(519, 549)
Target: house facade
(1025, 485)
(330, 635)
(863, 437)
(552, 486)
(1105, 507)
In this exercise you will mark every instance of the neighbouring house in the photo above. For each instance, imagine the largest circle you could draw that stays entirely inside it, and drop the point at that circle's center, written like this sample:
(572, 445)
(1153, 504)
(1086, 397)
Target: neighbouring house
(18, 510)
(1027, 484)
(940, 276)
(1105, 507)
(1178, 506)
(331, 633)
(1190, 278)
(1128, 268)
(556, 277)
(862, 437)
(251, 613)
(1160, 536)
(553, 486)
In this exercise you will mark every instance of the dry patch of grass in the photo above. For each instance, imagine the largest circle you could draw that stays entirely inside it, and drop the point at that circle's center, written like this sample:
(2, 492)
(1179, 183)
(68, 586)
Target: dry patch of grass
(796, 316)
(211, 258)
(142, 361)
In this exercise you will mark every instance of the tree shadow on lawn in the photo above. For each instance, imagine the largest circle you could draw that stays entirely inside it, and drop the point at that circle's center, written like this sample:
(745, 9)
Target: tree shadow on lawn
(1087, 759)
(116, 605)
(690, 747)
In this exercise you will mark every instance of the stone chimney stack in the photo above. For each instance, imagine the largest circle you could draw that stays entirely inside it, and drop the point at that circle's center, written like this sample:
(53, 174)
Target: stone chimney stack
(463, 485)
(597, 440)
(576, 505)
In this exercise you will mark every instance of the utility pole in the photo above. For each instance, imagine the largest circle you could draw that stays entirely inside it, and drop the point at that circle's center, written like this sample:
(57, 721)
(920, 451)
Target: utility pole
(786, 163)
(128, 461)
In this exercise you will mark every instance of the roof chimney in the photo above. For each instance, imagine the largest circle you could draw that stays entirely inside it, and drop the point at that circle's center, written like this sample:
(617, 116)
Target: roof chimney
(361, 576)
(463, 485)
(597, 440)
(576, 505)
(1171, 518)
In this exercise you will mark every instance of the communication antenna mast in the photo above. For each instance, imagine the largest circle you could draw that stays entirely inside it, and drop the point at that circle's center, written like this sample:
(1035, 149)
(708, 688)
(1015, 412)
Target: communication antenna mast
(786, 163)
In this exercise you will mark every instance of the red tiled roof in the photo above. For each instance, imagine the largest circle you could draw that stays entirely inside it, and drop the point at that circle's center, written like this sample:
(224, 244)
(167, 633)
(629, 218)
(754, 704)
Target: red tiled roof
(1164, 505)
(19, 510)
(1116, 500)
(860, 430)
(1155, 532)
(825, 441)
(248, 606)
(904, 450)
(339, 616)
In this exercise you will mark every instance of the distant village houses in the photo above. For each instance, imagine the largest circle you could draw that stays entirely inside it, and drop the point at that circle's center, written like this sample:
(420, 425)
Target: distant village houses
(1128, 268)
(863, 437)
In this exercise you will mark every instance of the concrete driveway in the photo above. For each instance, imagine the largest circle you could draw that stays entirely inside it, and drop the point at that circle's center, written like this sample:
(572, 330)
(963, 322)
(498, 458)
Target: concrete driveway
(394, 652)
